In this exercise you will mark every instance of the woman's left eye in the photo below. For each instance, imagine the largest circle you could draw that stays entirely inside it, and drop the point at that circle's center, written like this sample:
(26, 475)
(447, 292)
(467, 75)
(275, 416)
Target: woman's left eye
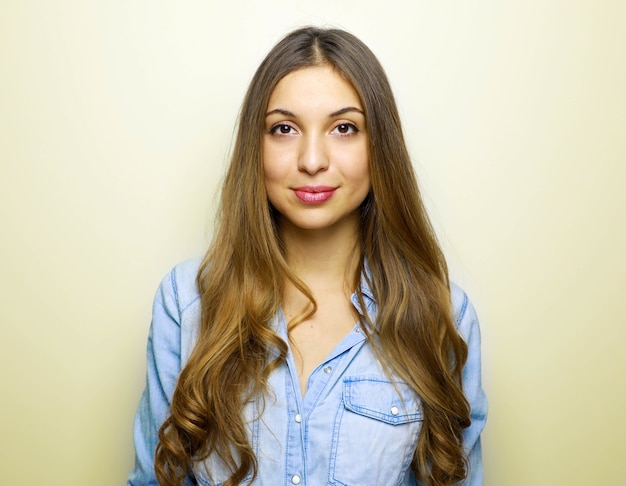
(345, 129)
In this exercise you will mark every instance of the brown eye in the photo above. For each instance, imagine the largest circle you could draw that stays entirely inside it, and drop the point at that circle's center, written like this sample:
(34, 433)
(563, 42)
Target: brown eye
(282, 129)
(345, 129)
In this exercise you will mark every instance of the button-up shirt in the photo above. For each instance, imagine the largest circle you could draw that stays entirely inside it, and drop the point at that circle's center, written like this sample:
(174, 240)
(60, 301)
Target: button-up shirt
(354, 426)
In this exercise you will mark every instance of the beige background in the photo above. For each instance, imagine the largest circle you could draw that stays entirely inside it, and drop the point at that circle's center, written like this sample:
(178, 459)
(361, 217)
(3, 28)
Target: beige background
(115, 120)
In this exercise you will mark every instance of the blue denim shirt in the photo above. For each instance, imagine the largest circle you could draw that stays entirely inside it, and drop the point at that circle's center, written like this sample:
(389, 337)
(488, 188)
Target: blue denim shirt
(351, 428)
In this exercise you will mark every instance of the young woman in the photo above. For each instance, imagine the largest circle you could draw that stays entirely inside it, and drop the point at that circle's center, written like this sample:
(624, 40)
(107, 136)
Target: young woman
(319, 341)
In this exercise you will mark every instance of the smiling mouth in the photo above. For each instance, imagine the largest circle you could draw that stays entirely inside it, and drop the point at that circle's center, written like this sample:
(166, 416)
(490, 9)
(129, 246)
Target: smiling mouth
(314, 194)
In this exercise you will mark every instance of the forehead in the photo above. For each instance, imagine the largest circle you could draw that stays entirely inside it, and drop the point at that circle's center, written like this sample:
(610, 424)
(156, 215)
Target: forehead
(316, 86)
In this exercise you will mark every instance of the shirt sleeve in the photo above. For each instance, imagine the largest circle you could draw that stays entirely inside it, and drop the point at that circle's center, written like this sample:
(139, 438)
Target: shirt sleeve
(163, 368)
(468, 327)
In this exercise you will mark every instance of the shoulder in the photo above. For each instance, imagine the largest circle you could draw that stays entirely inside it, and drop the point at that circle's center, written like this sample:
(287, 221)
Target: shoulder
(178, 288)
(463, 312)
(176, 312)
(460, 302)
(183, 282)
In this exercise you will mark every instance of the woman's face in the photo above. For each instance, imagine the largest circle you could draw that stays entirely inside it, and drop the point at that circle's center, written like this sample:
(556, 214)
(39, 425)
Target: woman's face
(315, 150)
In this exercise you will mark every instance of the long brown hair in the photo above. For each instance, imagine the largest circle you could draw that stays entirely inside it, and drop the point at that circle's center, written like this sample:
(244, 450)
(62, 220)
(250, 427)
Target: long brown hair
(242, 277)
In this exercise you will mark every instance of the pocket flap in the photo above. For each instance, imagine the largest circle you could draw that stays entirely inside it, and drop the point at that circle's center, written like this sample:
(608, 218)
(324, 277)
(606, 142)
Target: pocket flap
(378, 398)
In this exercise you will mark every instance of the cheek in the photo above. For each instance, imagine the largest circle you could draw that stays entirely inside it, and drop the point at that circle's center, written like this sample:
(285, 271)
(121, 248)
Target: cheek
(272, 174)
(273, 164)
(273, 177)
(364, 180)
(357, 168)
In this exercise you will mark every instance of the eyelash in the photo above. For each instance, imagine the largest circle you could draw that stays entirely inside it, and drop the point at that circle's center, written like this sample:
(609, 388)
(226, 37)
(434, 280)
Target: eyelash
(275, 130)
(350, 126)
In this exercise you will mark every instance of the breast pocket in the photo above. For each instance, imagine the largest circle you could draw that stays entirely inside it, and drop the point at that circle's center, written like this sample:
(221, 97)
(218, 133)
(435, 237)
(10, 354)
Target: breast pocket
(375, 432)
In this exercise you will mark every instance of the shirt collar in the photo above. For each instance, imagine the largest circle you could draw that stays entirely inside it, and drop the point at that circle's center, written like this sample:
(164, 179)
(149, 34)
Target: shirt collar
(366, 291)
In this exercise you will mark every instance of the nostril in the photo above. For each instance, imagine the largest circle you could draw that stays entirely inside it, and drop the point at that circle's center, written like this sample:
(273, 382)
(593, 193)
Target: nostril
(313, 157)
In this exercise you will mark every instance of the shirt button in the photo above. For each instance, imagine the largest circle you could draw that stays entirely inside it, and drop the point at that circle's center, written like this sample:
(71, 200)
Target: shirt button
(295, 479)
(298, 418)
(394, 411)
(328, 369)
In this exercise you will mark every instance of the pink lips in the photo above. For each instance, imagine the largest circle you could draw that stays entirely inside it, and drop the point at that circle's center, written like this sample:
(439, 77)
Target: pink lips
(314, 194)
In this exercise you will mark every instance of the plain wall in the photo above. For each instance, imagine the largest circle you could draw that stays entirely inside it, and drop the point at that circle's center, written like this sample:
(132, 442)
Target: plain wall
(115, 124)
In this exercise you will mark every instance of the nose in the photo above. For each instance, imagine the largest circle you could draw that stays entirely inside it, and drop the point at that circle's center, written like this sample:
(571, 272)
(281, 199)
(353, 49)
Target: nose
(313, 156)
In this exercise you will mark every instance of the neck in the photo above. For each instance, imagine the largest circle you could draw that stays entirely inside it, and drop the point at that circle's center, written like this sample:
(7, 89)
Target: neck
(329, 254)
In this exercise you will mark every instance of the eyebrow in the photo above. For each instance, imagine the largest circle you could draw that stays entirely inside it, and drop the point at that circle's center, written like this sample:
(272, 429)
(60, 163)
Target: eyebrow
(345, 110)
(342, 111)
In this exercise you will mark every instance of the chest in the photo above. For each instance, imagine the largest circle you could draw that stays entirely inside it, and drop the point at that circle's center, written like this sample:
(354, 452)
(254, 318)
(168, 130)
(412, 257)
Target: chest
(313, 339)
(352, 427)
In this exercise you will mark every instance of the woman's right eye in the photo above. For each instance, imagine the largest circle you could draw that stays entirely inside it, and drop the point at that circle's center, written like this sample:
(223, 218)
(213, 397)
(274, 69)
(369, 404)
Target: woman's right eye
(282, 129)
